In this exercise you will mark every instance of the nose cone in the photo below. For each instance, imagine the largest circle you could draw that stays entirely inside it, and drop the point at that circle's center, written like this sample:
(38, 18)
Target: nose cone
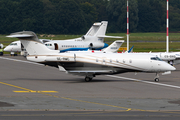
(172, 68)
(169, 67)
(7, 49)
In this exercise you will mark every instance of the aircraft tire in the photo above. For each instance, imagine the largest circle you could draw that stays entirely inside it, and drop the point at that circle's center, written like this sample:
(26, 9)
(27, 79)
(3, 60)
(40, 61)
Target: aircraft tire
(156, 79)
(87, 79)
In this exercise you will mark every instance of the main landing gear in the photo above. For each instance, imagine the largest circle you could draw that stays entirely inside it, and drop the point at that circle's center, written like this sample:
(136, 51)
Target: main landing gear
(156, 79)
(88, 78)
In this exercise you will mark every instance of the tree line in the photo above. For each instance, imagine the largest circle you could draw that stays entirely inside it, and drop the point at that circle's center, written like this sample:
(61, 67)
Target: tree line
(77, 16)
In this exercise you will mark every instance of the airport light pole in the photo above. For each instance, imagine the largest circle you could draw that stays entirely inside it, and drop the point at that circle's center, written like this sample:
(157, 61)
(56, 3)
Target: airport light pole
(127, 26)
(167, 30)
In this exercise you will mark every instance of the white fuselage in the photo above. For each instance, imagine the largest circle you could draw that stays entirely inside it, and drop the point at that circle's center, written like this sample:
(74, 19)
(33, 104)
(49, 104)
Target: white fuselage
(77, 44)
(114, 62)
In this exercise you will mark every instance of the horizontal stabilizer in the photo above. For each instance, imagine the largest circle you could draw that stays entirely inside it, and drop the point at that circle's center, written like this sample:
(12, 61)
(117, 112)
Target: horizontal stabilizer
(20, 36)
(105, 36)
(25, 35)
(31, 43)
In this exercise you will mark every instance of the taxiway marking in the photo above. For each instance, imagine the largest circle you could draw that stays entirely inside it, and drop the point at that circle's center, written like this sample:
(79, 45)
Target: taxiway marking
(26, 90)
(155, 83)
(35, 91)
(82, 101)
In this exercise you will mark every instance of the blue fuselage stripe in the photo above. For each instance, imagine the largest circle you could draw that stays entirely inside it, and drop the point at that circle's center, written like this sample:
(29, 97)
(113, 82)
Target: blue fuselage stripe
(83, 49)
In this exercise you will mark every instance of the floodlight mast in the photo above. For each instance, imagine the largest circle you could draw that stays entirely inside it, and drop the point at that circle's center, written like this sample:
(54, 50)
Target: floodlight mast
(127, 26)
(167, 30)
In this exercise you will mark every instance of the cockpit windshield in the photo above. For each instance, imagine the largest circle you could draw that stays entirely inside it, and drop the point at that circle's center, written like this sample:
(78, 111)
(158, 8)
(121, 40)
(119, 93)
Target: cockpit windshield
(48, 44)
(156, 58)
(13, 44)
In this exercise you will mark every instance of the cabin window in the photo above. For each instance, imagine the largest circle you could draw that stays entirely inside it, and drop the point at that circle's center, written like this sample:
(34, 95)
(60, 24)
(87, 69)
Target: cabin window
(110, 60)
(156, 58)
(96, 60)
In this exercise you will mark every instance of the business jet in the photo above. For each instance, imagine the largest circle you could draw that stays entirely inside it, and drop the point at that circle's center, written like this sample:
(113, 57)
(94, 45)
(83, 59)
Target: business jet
(172, 58)
(93, 39)
(90, 64)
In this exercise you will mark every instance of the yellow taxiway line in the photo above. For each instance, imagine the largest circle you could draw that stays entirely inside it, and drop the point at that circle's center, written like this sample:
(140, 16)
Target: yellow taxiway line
(46, 93)
(27, 90)
(35, 91)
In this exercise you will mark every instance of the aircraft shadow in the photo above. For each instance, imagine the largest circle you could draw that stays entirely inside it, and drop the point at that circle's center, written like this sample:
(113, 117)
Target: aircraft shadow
(73, 80)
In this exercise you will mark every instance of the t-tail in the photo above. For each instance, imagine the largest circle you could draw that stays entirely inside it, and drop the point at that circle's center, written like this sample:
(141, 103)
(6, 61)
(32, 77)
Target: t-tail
(31, 43)
(99, 30)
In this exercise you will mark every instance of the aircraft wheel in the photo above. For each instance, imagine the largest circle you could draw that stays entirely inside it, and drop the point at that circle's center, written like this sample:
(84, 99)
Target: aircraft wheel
(156, 79)
(87, 79)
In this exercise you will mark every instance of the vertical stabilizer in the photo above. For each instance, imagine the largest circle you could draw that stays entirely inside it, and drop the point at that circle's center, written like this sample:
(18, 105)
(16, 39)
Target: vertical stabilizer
(31, 43)
(97, 29)
(114, 46)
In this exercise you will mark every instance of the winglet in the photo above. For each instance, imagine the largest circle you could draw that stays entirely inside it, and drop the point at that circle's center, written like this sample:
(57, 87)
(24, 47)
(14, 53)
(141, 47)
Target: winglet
(130, 50)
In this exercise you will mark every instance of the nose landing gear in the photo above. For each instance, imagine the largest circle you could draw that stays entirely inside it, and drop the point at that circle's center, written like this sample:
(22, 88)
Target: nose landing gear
(156, 79)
